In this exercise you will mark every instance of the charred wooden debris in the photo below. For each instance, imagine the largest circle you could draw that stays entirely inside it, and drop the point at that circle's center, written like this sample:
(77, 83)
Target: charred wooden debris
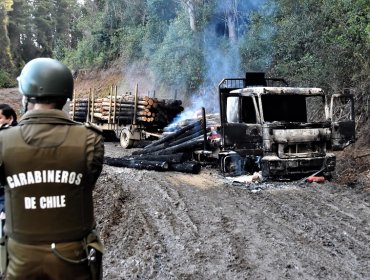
(185, 147)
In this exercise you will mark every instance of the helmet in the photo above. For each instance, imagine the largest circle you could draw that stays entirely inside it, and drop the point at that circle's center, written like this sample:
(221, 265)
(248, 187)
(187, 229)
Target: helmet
(45, 77)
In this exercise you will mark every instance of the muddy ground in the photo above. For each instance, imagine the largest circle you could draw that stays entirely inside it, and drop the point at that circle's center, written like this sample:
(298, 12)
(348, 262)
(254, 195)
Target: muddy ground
(171, 225)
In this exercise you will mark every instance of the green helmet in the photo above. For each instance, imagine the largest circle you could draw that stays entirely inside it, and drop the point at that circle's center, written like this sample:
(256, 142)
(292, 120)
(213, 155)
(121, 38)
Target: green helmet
(45, 77)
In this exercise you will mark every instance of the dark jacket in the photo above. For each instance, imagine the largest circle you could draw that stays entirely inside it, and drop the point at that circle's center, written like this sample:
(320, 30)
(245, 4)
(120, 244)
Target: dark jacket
(49, 189)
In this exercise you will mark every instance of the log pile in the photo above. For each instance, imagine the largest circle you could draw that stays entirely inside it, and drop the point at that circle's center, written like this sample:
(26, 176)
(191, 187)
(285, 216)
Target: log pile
(172, 151)
(78, 109)
(123, 109)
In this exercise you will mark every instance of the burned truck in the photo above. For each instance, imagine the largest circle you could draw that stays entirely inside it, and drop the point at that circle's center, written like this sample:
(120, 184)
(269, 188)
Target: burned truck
(282, 131)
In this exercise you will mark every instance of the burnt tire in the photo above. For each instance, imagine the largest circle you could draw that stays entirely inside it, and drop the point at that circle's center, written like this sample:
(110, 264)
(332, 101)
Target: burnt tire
(126, 140)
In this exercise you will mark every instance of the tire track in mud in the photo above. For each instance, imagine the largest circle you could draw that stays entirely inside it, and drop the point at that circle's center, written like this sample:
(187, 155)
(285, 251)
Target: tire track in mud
(326, 243)
(175, 209)
(283, 221)
(167, 212)
(137, 251)
(221, 242)
(154, 218)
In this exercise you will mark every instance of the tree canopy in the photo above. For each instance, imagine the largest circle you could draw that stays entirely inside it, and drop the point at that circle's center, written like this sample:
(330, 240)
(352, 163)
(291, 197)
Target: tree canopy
(192, 44)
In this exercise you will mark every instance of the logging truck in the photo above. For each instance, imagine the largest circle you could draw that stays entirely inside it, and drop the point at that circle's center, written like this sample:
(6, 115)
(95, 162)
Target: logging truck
(282, 131)
(130, 117)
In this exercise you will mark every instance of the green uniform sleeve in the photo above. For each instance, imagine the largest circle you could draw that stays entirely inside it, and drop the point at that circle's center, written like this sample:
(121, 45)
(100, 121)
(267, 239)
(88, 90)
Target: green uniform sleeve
(95, 154)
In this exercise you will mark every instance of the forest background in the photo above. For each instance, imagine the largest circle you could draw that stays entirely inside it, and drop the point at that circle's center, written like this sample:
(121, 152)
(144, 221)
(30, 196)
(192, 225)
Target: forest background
(188, 46)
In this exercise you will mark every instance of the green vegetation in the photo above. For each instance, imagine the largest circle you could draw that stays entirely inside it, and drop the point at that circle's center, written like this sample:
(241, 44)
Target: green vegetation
(5, 80)
(191, 44)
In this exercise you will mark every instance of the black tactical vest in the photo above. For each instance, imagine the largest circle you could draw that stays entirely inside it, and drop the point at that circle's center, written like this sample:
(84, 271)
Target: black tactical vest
(48, 195)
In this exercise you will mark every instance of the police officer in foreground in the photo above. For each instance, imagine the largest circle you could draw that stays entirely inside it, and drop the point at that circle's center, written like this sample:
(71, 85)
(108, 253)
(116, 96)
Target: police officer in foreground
(48, 188)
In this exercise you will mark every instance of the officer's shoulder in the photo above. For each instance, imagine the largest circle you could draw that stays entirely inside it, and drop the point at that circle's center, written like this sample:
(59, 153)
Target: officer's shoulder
(93, 127)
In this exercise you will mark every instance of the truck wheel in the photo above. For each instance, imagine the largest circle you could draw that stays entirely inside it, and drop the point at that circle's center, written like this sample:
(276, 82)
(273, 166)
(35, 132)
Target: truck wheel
(126, 138)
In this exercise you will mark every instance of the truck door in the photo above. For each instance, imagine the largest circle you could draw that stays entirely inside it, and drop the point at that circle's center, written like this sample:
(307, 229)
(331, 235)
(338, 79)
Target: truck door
(242, 129)
(342, 117)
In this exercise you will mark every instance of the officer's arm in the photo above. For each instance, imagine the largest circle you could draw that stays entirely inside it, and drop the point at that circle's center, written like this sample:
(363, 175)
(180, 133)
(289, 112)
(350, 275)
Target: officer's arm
(95, 152)
(98, 158)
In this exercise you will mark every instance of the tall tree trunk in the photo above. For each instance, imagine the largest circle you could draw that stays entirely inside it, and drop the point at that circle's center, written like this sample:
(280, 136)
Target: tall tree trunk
(6, 56)
(191, 11)
(231, 19)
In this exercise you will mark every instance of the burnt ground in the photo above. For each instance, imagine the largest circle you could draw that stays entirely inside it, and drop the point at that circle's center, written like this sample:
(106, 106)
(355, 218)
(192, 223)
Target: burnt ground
(171, 225)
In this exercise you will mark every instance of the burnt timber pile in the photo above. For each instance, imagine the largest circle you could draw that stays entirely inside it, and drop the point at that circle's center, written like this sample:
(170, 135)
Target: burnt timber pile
(176, 150)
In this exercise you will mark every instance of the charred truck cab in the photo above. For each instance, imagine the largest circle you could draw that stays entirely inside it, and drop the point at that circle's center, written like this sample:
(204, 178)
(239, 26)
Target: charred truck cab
(280, 130)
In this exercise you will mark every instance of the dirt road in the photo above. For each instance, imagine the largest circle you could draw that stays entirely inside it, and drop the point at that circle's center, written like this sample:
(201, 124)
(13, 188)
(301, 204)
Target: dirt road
(169, 225)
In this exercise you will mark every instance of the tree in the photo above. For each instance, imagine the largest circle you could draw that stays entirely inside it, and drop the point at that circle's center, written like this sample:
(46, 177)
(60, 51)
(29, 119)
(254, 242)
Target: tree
(231, 17)
(256, 48)
(45, 24)
(6, 60)
(190, 6)
(324, 49)
(5, 53)
(67, 14)
(178, 60)
(20, 41)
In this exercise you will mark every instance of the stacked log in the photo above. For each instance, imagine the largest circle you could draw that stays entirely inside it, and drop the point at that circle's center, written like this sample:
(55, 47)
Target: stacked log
(122, 109)
(78, 109)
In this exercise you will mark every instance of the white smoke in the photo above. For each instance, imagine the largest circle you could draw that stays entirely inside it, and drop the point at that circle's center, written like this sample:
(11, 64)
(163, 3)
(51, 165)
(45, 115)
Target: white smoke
(222, 60)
